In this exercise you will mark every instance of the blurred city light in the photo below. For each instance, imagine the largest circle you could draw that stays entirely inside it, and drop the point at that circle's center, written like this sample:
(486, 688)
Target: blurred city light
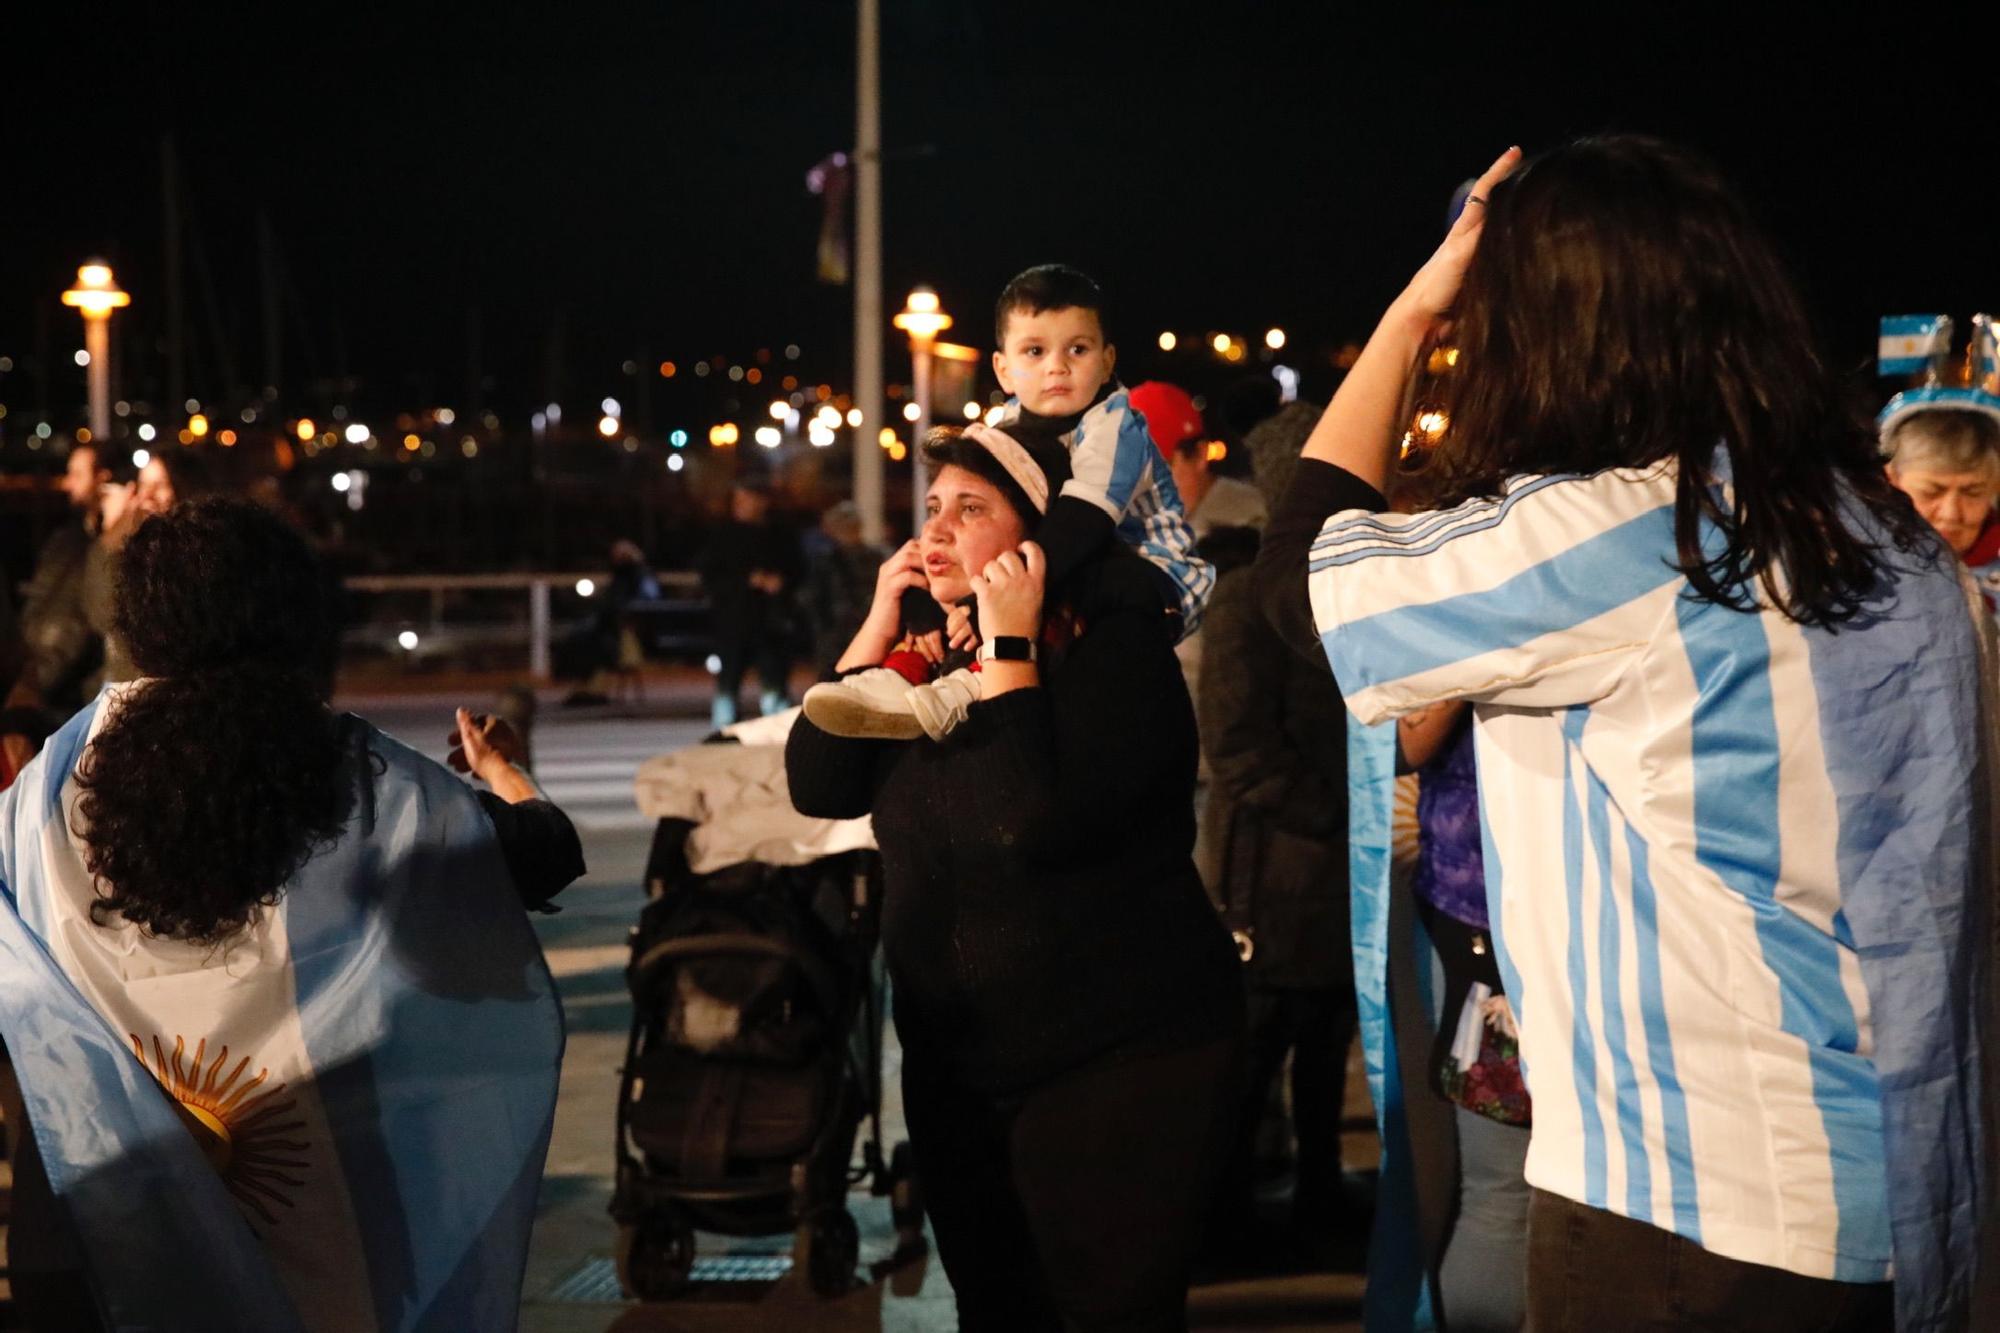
(408, 640)
(197, 425)
(341, 481)
(140, 457)
(82, 357)
(886, 438)
(819, 435)
(724, 435)
(994, 413)
(611, 408)
(668, 370)
(911, 411)
(607, 426)
(769, 436)
(227, 439)
(356, 432)
(678, 439)
(714, 665)
(1217, 451)
(307, 428)
(1168, 341)
(95, 294)
(585, 587)
(1274, 339)
(921, 317)
(854, 416)
(469, 447)
(1221, 343)
(445, 416)
(898, 451)
(780, 409)
(675, 462)
(146, 431)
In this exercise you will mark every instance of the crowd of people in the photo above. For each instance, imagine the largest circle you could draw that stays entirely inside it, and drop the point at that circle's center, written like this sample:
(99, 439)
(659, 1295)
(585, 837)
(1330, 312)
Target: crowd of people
(1686, 1019)
(1619, 767)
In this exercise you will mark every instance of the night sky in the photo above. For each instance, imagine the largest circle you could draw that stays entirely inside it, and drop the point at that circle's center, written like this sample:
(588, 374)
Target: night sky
(633, 175)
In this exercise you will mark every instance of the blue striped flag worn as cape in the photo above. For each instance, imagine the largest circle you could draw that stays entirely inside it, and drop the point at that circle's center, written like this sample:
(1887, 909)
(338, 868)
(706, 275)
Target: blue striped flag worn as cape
(335, 1120)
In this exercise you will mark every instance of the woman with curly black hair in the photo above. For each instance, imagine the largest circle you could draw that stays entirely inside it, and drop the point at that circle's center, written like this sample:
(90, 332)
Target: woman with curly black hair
(309, 938)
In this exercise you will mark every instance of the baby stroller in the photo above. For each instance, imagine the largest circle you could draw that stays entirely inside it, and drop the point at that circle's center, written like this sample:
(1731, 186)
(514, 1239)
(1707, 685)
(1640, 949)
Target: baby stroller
(755, 1052)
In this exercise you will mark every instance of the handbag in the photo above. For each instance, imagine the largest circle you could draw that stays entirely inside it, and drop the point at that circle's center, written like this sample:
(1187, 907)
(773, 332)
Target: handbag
(1476, 1060)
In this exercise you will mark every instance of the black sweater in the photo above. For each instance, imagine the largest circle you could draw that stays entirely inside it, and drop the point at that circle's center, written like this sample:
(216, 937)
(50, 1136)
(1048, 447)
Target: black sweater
(1041, 907)
(1317, 492)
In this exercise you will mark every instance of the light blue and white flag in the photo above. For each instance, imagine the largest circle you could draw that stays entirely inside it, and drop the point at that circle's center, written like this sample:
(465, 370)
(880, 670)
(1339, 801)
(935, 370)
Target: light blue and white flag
(335, 1120)
(1910, 342)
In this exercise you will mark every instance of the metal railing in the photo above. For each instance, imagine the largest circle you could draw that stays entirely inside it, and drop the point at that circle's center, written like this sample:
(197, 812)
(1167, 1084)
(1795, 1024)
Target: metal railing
(681, 591)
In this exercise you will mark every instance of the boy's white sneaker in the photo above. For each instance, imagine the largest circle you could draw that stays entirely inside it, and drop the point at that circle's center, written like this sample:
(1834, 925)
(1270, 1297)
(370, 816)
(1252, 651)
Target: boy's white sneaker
(869, 705)
(941, 705)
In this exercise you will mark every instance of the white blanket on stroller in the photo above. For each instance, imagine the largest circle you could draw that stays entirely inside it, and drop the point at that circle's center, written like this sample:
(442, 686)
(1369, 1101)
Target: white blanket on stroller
(736, 797)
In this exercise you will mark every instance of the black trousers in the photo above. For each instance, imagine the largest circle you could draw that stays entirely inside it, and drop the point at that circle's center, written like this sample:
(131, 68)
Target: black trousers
(1077, 1205)
(1592, 1271)
(1315, 1026)
(756, 644)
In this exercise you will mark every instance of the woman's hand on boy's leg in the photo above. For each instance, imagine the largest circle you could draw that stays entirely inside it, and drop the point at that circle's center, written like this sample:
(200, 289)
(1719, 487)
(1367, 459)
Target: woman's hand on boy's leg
(958, 630)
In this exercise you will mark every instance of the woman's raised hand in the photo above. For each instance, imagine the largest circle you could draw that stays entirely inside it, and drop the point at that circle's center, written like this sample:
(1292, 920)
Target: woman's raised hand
(903, 569)
(1010, 593)
(1434, 289)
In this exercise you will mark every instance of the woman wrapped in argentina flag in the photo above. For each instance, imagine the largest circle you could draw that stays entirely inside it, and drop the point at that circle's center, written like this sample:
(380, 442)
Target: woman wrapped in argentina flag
(285, 1040)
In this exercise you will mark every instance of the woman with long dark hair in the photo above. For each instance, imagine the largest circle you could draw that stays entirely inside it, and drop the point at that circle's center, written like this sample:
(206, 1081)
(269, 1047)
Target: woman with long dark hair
(1739, 882)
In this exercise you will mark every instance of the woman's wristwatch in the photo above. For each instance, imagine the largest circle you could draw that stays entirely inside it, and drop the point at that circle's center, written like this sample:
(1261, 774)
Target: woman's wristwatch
(1007, 648)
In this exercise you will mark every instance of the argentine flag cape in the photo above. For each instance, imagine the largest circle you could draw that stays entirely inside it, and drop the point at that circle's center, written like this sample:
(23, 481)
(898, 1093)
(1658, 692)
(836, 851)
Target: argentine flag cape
(336, 1120)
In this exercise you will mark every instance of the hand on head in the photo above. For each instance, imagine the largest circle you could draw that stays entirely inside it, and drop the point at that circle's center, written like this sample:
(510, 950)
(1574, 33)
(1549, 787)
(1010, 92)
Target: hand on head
(1434, 289)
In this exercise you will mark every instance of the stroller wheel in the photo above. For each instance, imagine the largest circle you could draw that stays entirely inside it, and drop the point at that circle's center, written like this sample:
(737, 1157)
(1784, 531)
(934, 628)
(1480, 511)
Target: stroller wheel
(654, 1257)
(828, 1246)
(906, 1196)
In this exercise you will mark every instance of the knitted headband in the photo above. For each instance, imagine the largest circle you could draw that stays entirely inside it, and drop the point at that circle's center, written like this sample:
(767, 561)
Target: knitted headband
(1019, 465)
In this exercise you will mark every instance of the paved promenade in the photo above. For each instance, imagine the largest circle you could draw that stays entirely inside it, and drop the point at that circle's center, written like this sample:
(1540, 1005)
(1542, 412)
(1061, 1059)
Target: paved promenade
(585, 758)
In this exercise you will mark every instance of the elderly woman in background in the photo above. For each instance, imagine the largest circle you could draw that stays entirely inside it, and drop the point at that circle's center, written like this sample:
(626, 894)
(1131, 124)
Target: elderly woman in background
(1947, 460)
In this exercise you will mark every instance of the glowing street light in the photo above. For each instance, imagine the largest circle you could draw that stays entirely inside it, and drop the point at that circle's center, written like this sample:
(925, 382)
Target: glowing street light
(1168, 341)
(1274, 339)
(95, 296)
(923, 319)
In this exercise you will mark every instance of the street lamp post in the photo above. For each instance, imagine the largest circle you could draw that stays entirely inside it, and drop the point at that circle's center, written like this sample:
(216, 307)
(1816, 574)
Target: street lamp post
(96, 295)
(923, 321)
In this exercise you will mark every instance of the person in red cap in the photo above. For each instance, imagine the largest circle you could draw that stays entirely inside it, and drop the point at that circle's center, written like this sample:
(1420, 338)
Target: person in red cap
(1212, 501)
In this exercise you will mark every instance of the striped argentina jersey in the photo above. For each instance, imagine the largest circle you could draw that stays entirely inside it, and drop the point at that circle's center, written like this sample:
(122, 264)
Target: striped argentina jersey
(1737, 867)
(1115, 466)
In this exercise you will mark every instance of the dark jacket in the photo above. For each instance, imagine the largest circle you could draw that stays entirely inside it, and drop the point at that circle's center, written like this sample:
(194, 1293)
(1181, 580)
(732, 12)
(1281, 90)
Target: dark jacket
(1041, 908)
(62, 652)
(734, 552)
(1275, 731)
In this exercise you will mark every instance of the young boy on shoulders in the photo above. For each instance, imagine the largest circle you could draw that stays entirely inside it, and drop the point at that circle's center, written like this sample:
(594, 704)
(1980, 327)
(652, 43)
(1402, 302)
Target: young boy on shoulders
(1055, 360)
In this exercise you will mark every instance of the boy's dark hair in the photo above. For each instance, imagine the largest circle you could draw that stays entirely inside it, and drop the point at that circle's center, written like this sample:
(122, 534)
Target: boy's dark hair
(1047, 287)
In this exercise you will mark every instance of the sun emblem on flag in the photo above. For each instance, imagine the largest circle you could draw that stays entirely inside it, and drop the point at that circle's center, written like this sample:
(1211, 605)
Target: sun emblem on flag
(248, 1131)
